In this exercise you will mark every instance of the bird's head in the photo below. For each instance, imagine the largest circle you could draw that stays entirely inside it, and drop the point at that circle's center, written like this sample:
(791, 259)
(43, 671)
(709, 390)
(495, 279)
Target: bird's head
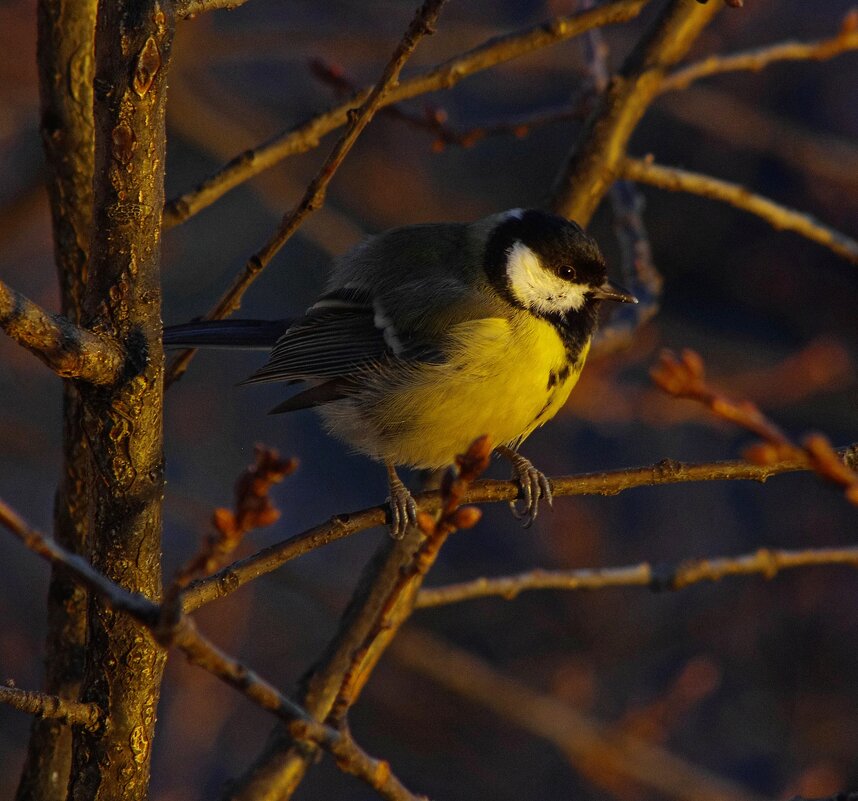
(547, 264)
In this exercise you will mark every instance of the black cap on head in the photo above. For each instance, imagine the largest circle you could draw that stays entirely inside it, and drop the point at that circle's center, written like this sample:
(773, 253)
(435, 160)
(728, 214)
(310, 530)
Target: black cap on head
(560, 244)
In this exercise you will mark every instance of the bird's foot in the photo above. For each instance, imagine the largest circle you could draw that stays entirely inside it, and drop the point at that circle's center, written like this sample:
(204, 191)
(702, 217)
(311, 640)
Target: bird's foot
(535, 486)
(403, 508)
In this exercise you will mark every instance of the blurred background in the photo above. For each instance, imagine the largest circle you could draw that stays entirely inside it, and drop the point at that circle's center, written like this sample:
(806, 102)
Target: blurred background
(749, 680)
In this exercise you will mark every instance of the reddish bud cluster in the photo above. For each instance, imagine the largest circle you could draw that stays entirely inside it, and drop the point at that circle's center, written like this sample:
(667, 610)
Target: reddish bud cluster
(253, 509)
(685, 377)
(469, 467)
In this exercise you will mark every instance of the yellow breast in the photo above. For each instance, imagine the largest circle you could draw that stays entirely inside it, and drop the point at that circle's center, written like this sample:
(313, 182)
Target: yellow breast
(504, 378)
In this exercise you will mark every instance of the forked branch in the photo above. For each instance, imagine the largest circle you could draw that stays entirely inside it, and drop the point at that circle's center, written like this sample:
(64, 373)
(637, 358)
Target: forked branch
(314, 196)
(183, 634)
(761, 57)
(307, 135)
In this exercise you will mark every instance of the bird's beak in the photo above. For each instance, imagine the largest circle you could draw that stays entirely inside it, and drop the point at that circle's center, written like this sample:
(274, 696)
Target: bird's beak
(610, 291)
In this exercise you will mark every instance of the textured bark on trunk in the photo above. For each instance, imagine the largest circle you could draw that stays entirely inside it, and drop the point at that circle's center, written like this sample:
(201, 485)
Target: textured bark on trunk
(123, 423)
(66, 33)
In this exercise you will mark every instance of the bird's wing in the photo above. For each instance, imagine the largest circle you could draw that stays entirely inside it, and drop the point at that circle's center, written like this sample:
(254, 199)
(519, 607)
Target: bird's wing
(352, 328)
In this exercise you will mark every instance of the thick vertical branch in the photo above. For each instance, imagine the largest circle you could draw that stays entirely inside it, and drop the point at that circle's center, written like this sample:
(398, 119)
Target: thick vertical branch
(595, 161)
(124, 424)
(66, 33)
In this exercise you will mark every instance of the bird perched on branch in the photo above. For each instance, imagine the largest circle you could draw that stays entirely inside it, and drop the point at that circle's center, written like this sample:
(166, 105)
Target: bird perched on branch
(429, 336)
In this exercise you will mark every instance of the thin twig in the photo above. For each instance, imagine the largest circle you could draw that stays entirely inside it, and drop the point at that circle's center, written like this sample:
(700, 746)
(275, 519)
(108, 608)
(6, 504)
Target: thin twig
(778, 216)
(761, 57)
(253, 509)
(612, 482)
(187, 9)
(433, 119)
(764, 562)
(42, 705)
(314, 196)
(684, 377)
(68, 349)
(136, 605)
(307, 135)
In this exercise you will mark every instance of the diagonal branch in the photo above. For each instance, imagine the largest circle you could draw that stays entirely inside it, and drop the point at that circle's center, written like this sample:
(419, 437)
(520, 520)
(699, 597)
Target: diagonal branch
(595, 161)
(43, 705)
(778, 216)
(306, 136)
(761, 57)
(380, 604)
(314, 196)
(184, 635)
(611, 482)
(339, 743)
(136, 605)
(69, 350)
(764, 562)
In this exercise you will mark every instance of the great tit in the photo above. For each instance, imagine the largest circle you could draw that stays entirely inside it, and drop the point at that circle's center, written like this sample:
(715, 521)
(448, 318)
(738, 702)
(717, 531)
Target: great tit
(429, 336)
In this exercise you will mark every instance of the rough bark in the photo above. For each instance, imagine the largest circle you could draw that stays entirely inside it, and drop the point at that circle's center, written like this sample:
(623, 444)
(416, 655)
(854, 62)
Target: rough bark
(66, 34)
(123, 424)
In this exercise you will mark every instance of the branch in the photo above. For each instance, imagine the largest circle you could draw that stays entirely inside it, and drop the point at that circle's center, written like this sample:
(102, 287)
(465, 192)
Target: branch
(746, 126)
(595, 161)
(253, 509)
(399, 602)
(314, 196)
(765, 562)
(69, 350)
(761, 57)
(434, 120)
(612, 482)
(136, 605)
(684, 378)
(306, 136)
(42, 705)
(188, 9)
(637, 268)
(779, 217)
(349, 757)
(381, 603)
(587, 742)
(184, 635)
(65, 40)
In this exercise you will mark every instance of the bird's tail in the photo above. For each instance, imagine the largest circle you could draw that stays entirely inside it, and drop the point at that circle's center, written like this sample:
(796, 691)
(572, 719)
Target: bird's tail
(251, 334)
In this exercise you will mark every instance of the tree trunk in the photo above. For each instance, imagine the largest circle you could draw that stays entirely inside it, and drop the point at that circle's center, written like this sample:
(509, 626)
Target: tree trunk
(123, 424)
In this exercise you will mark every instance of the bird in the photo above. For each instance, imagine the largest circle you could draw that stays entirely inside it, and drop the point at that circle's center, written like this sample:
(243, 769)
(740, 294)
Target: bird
(429, 336)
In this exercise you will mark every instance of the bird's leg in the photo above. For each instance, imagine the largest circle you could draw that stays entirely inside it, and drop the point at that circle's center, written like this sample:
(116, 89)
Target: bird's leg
(403, 509)
(534, 485)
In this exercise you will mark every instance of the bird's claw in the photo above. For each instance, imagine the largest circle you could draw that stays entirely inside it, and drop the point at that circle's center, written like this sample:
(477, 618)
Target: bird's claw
(403, 508)
(535, 487)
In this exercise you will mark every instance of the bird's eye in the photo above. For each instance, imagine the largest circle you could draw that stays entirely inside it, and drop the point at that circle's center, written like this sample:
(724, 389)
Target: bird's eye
(567, 272)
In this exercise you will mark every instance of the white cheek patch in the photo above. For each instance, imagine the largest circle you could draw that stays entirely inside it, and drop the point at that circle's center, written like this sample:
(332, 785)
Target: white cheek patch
(537, 288)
